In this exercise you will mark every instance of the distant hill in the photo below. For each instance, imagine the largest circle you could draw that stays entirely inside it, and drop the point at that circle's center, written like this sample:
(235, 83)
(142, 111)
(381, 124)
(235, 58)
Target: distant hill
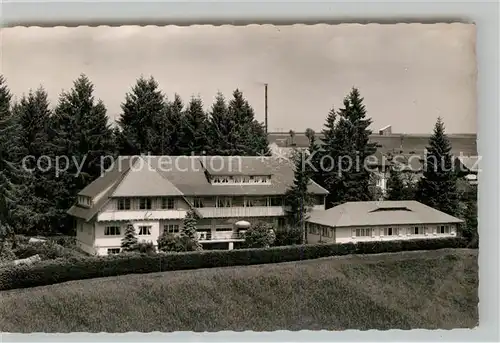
(410, 290)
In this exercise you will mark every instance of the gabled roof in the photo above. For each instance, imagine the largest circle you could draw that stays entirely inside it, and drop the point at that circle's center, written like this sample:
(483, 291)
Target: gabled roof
(185, 176)
(379, 213)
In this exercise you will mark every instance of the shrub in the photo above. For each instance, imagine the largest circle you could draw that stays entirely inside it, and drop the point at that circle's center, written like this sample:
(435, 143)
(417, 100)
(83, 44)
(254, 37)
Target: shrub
(6, 253)
(288, 236)
(168, 242)
(61, 270)
(129, 240)
(47, 250)
(145, 248)
(260, 235)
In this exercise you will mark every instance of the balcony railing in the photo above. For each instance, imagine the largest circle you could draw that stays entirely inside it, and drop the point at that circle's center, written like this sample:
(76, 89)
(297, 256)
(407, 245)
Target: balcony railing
(231, 212)
(209, 236)
(141, 215)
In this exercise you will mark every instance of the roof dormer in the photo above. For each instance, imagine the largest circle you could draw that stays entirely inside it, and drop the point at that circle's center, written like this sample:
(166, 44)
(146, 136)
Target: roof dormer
(84, 201)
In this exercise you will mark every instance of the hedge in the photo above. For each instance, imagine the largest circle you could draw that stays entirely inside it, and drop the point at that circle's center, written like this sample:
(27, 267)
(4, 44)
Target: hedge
(62, 270)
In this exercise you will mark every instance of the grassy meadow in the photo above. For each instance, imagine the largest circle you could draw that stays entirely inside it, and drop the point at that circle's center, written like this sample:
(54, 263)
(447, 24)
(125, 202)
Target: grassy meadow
(423, 289)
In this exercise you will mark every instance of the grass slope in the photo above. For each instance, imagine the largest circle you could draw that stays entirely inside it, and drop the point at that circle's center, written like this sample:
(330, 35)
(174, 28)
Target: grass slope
(426, 289)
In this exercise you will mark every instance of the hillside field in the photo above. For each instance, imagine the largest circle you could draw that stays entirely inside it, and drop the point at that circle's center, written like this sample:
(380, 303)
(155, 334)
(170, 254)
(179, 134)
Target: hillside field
(424, 289)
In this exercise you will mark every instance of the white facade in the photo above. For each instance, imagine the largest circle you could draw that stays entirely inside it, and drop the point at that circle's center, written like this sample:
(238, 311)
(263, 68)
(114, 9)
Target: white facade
(320, 233)
(103, 234)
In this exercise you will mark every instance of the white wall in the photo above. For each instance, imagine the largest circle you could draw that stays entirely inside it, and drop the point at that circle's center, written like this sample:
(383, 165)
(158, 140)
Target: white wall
(347, 235)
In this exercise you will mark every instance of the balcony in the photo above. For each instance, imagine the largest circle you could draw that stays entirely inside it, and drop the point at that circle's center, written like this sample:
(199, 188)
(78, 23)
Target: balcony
(141, 215)
(220, 236)
(238, 212)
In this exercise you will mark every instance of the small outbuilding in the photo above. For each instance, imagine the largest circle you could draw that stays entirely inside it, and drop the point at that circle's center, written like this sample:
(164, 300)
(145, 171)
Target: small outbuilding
(379, 220)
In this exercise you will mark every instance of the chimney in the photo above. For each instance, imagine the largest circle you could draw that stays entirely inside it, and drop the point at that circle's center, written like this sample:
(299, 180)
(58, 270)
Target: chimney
(385, 131)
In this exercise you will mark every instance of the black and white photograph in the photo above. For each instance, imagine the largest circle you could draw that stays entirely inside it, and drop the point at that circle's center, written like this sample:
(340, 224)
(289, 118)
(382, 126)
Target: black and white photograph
(238, 178)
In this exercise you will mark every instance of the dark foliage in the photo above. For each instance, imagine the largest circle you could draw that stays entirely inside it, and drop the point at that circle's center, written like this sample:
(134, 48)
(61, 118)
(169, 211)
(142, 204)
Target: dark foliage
(62, 270)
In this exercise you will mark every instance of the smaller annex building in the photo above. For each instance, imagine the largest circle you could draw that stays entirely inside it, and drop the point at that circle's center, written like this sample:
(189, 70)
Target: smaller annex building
(379, 220)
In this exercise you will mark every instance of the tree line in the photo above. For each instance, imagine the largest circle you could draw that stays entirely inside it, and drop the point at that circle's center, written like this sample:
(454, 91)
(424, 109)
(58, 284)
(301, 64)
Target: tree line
(345, 138)
(149, 122)
(78, 127)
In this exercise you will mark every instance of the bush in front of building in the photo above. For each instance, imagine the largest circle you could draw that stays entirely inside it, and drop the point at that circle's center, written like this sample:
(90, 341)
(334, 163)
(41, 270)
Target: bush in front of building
(289, 235)
(62, 270)
(260, 235)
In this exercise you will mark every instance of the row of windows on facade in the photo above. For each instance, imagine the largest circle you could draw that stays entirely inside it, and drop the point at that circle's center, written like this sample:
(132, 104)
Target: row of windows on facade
(228, 179)
(145, 230)
(169, 203)
(387, 231)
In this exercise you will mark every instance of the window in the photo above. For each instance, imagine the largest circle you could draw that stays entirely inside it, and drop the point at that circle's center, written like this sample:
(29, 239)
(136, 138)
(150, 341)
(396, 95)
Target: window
(391, 231)
(83, 200)
(124, 204)
(417, 230)
(112, 231)
(442, 229)
(363, 232)
(224, 229)
(198, 202)
(171, 228)
(167, 203)
(145, 204)
(113, 251)
(144, 230)
(81, 227)
(223, 202)
(325, 231)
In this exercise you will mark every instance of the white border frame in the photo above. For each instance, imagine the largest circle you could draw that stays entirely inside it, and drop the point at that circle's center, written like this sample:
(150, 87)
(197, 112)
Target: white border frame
(484, 14)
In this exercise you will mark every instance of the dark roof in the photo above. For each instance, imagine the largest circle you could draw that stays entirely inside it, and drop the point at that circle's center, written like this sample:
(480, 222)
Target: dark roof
(186, 174)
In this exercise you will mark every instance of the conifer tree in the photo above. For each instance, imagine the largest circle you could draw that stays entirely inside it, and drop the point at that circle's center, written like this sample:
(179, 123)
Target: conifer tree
(81, 132)
(174, 112)
(345, 147)
(194, 124)
(10, 173)
(250, 138)
(438, 186)
(188, 232)
(396, 189)
(142, 110)
(129, 240)
(221, 129)
(354, 112)
(33, 115)
(297, 198)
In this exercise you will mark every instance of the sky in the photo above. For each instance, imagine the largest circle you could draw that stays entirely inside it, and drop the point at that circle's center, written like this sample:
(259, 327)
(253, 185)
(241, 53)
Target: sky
(408, 74)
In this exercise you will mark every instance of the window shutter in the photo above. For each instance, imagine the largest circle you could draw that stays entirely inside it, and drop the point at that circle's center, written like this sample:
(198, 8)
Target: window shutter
(381, 232)
(353, 233)
(400, 231)
(373, 232)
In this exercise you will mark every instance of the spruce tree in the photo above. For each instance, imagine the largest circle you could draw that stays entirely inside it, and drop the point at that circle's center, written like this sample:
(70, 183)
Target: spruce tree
(344, 151)
(188, 232)
(354, 112)
(221, 130)
(33, 115)
(142, 112)
(81, 132)
(297, 198)
(11, 176)
(250, 138)
(174, 112)
(129, 240)
(194, 124)
(396, 189)
(438, 186)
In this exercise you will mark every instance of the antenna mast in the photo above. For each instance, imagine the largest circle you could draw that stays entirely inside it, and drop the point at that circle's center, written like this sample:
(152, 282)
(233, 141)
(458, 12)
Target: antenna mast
(265, 102)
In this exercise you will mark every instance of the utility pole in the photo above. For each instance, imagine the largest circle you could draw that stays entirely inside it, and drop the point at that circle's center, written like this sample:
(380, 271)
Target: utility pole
(265, 102)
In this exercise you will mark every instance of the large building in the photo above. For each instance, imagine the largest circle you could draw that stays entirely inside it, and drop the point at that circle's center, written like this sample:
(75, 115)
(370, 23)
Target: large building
(154, 193)
(379, 220)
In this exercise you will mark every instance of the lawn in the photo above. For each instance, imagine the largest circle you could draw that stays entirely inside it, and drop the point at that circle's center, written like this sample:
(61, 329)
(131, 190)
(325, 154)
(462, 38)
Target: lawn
(424, 289)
